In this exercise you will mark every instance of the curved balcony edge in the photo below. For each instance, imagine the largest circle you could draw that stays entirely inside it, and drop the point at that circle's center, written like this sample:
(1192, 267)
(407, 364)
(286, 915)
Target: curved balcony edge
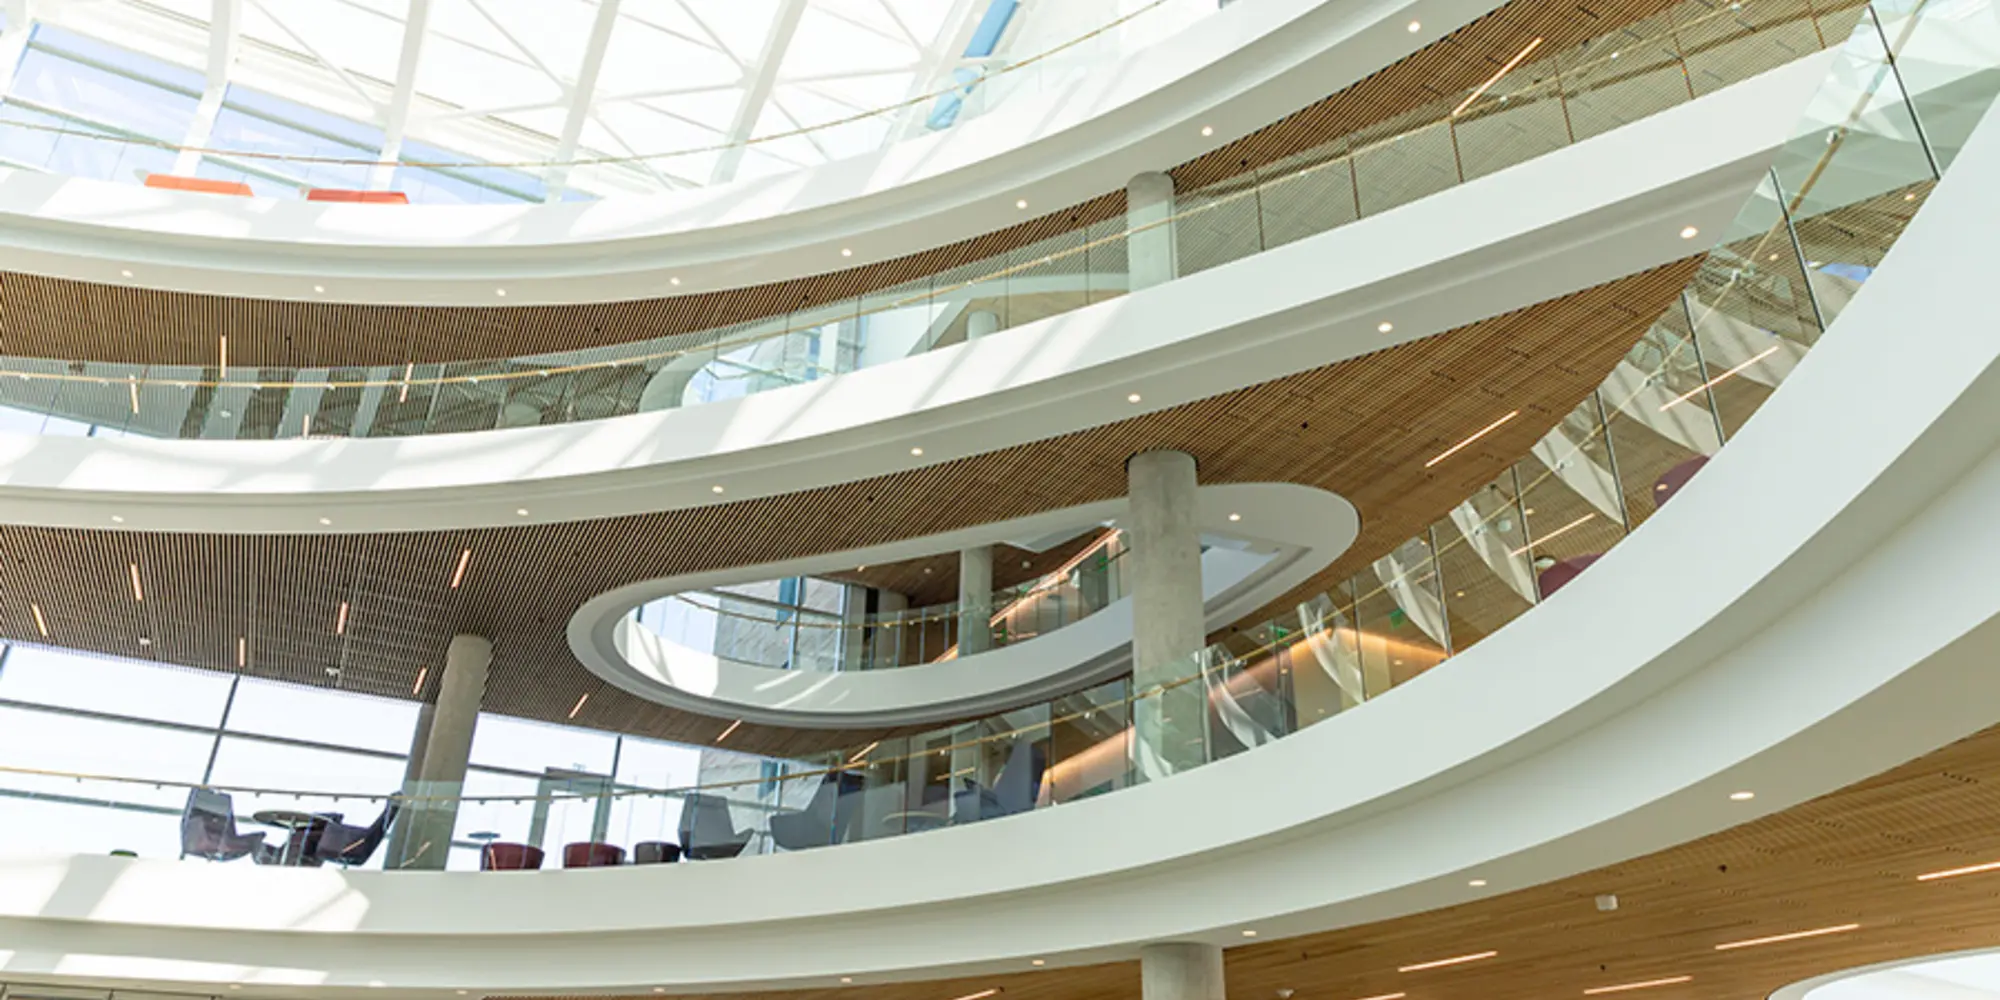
(1605, 208)
(1816, 607)
(1305, 528)
(1246, 66)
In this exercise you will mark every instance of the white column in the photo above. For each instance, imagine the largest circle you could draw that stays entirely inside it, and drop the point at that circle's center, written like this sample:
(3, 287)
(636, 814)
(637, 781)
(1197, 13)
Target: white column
(975, 600)
(441, 776)
(981, 322)
(1180, 970)
(399, 831)
(1167, 621)
(1150, 255)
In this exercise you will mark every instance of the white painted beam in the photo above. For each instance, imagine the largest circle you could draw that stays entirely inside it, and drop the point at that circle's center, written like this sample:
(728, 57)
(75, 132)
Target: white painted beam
(763, 80)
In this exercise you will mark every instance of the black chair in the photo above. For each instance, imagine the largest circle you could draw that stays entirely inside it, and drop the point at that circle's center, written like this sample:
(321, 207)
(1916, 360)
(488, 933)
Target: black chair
(707, 831)
(827, 819)
(208, 828)
(348, 846)
(1014, 791)
(655, 852)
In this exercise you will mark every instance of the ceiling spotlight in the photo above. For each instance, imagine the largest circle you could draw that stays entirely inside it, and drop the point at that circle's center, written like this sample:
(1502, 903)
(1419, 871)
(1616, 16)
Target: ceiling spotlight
(1236, 517)
(1038, 962)
(715, 489)
(1132, 398)
(320, 289)
(144, 641)
(1249, 933)
(1384, 327)
(1206, 130)
(1022, 203)
(1741, 796)
(521, 511)
(115, 519)
(1690, 232)
(1478, 883)
(326, 520)
(1416, 26)
(125, 274)
(502, 292)
(916, 451)
(845, 252)
(673, 281)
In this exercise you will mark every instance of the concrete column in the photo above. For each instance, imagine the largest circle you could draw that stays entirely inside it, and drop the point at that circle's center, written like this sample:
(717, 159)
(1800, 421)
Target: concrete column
(886, 648)
(980, 323)
(1167, 626)
(392, 847)
(441, 778)
(1180, 970)
(1151, 257)
(975, 600)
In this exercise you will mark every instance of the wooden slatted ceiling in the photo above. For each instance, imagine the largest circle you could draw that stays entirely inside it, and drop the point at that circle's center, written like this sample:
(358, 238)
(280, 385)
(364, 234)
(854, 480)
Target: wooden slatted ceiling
(55, 318)
(1848, 857)
(1363, 428)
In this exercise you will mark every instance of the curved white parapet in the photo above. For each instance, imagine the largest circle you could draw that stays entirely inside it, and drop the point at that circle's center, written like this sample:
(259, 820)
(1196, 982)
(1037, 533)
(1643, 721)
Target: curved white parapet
(1295, 532)
(1589, 213)
(1817, 606)
(1241, 68)
(1960, 975)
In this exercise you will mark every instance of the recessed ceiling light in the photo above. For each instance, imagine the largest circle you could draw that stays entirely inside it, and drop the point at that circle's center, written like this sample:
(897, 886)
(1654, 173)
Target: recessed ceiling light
(1644, 984)
(1384, 327)
(1476, 435)
(458, 575)
(521, 511)
(659, 989)
(1689, 232)
(1442, 962)
(1416, 26)
(916, 451)
(1925, 877)
(715, 489)
(125, 274)
(1249, 933)
(502, 292)
(1206, 130)
(145, 641)
(847, 979)
(1741, 796)
(326, 520)
(673, 281)
(1236, 517)
(845, 252)
(1794, 936)
(1132, 398)
(320, 289)
(1478, 883)
(1021, 203)
(1912, 196)
(115, 519)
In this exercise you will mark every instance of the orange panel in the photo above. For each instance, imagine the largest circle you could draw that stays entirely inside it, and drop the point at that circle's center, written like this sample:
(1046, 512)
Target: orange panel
(364, 197)
(201, 184)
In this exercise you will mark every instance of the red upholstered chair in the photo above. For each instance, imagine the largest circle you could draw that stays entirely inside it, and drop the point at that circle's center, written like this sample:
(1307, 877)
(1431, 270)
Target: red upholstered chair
(200, 184)
(1671, 481)
(592, 855)
(500, 857)
(1553, 578)
(358, 197)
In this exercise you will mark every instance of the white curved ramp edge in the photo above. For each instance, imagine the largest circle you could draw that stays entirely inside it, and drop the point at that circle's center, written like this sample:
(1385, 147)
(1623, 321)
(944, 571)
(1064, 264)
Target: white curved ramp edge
(1602, 209)
(1302, 528)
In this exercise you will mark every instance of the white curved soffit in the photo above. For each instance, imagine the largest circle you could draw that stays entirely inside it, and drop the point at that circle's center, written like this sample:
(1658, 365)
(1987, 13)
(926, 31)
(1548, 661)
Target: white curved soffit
(1294, 532)
(1589, 213)
(1816, 606)
(1973, 974)
(1237, 70)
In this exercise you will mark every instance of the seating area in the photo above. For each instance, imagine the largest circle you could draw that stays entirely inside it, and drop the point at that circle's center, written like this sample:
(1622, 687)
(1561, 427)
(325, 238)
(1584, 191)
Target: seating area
(208, 831)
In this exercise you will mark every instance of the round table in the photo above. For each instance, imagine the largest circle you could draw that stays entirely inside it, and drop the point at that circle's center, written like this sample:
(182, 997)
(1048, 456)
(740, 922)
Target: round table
(294, 822)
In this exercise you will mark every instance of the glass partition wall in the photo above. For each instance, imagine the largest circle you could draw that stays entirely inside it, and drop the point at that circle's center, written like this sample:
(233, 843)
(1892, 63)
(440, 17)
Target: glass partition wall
(1825, 215)
(1551, 100)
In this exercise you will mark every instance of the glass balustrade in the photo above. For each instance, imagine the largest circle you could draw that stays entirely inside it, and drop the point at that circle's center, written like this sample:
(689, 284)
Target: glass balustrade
(749, 630)
(1829, 209)
(1550, 101)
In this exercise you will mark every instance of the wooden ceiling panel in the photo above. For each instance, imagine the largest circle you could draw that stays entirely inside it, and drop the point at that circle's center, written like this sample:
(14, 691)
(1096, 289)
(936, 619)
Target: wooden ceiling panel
(1362, 428)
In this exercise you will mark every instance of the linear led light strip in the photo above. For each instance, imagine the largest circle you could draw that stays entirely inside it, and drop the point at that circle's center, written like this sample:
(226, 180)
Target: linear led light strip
(1495, 78)
(423, 674)
(1647, 984)
(1794, 936)
(1553, 534)
(1482, 432)
(458, 575)
(340, 620)
(41, 625)
(731, 729)
(1691, 393)
(1442, 962)
(578, 707)
(138, 592)
(1927, 876)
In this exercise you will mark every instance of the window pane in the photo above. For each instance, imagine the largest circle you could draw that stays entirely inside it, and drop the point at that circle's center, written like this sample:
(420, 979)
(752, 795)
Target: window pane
(320, 716)
(520, 745)
(42, 740)
(112, 686)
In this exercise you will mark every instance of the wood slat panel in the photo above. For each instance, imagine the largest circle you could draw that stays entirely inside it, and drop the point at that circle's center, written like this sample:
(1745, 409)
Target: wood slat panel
(1362, 428)
(1848, 857)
